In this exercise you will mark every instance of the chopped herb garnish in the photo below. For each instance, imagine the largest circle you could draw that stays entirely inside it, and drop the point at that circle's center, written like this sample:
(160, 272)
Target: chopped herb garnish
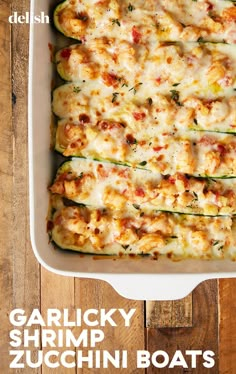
(195, 196)
(195, 121)
(136, 206)
(175, 84)
(81, 175)
(135, 87)
(150, 101)
(130, 139)
(141, 214)
(114, 96)
(76, 89)
(125, 246)
(124, 85)
(143, 163)
(174, 237)
(82, 17)
(131, 8)
(175, 97)
(116, 21)
(220, 248)
(215, 243)
(201, 40)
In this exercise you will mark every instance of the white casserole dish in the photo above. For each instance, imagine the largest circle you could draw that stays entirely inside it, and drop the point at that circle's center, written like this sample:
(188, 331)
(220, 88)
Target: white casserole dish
(133, 278)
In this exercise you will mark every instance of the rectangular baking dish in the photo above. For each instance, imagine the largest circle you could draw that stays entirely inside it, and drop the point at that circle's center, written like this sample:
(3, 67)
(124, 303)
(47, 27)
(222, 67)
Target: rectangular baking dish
(140, 278)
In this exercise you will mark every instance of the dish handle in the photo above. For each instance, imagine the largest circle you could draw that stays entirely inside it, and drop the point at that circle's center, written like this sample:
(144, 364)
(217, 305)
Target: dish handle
(155, 287)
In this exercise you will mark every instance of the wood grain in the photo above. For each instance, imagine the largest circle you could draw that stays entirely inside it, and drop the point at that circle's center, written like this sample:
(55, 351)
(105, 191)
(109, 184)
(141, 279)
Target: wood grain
(177, 313)
(57, 292)
(202, 336)
(23, 286)
(99, 294)
(6, 185)
(26, 275)
(227, 326)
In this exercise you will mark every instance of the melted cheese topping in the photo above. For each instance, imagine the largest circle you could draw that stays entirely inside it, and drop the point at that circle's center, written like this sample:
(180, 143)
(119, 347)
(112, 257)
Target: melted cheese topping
(117, 187)
(166, 152)
(117, 232)
(193, 67)
(144, 22)
(147, 91)
(143, 104)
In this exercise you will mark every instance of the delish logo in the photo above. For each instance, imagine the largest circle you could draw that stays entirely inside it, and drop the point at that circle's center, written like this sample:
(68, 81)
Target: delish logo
(29, 17)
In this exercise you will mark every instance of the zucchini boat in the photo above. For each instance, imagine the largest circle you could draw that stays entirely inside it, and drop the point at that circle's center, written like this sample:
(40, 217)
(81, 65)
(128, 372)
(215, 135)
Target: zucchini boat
(102, 232)
(190, 66)
(106, 185)
(167, 153)
(147, 22)
(135, 107)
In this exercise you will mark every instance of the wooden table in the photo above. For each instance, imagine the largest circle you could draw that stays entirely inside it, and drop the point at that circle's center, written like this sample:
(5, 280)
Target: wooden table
(204, 320)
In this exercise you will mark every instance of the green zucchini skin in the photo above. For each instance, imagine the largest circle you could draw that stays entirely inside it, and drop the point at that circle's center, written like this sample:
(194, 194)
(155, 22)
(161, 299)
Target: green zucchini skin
(64, 3)
(56, 12)
(77, 155)
(138, 178)
(217, 131)
(56, 22)
(176, 245)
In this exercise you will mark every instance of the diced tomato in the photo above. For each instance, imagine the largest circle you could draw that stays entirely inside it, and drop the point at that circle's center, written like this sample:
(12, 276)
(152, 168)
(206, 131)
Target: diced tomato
(62, 177)
(59, 219)
(130, 139)
(73, 145)
(136, 35)
(139, 116)
(158, 80)
(217, 195)
(209, 6)
(84, 118)
(207, 140)
(125, 173)
(172, 180)
(208, 104)
(106, 125)
(126, 222)
(65, 53)
(183, 179)
(99, 215)
(50, 226)
(139, 192)
(110, 79)
(222, 149)
(157, 149)
(102, 171)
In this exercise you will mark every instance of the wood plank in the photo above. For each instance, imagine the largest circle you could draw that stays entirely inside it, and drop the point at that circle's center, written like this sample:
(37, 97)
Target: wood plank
(26, 275)
(6, 185)
(99, 294)
(57, 292)
(203, 335)
(227, 326)
(176, 313)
